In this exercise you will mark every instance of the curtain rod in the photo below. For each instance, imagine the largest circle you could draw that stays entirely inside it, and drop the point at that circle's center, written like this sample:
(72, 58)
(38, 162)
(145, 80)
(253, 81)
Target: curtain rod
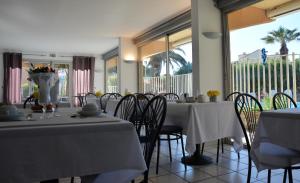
(44, 55)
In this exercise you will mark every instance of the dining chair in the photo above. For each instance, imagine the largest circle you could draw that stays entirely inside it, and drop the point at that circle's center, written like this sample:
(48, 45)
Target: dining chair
(230, 97)
(126, 108)
(141, 104)
(105, 98)
(283, 101)
(171, 97)
(31, 100)
(149, 95)
(248, 110)
(153, 118)
(91, 97)
(173, 132)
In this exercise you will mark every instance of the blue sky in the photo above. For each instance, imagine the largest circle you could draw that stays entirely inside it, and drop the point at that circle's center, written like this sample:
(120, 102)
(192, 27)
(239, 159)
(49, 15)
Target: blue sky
(249, 39)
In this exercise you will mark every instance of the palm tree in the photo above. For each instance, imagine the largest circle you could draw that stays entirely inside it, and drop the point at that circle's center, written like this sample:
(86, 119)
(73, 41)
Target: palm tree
(154, 65)
(282, 36)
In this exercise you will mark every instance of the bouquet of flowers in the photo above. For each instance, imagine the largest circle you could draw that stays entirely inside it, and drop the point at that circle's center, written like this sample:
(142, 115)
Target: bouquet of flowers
(213, 93)
(98, 93)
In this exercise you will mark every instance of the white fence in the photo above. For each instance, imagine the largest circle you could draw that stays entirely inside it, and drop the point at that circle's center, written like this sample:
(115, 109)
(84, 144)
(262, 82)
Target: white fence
(112, 89)
(276, 75)
(177, 84)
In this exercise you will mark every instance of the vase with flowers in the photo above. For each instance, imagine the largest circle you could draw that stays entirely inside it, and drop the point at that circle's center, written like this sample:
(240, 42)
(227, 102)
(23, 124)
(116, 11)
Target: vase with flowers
(42, 77)
(212, 94)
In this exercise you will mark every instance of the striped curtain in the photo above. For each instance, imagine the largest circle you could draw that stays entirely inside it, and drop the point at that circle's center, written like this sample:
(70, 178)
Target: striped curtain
(83, 75)
(12, 64)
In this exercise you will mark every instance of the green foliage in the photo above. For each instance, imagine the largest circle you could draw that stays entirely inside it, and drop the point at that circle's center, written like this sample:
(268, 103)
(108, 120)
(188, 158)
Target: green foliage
(185, 69)
(282, 35)
(154, 66)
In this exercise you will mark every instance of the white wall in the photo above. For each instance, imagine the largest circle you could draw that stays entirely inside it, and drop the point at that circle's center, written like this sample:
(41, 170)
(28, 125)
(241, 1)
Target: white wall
(128, 69)
(207, 53)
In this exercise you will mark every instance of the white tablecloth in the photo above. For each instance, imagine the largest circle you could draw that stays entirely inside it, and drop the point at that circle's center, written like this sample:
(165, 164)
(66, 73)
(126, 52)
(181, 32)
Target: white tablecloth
(64, 147)
(202, 122)
(280, 127)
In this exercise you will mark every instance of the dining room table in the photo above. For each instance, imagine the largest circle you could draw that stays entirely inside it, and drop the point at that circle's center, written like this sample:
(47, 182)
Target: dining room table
(66, 144)
(201, 122)
(281, 128)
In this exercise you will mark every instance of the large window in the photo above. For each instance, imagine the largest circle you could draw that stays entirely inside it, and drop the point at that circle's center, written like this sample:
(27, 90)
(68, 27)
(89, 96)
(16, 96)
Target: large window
(111, 75)
(62, 71)
(167, 64)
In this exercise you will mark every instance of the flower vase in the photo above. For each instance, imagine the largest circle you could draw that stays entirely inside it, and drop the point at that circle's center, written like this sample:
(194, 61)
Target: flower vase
(213, 99)
(43, 80)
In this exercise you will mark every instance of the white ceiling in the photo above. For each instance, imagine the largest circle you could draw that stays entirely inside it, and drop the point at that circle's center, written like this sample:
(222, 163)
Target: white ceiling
(79, 26)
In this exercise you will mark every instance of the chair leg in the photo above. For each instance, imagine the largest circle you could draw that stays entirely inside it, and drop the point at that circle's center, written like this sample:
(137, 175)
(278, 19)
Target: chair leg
(222, 143)
(158, 152)
(218, 147)
(290, 175)
(238, 155)
(249, 169)
(202, 149)
(146, 177)
(284, 175)
(269, 176)
(182, 147)
(170, 152)
(72, 179)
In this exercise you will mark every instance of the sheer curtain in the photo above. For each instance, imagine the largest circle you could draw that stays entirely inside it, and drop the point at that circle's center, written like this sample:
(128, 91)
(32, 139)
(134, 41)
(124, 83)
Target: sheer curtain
(83, 75)
(12, 63)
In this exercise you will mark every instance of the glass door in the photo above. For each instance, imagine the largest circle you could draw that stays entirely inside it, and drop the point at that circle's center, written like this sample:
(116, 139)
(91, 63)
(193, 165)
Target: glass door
(167, 71)
(154, 66)
(111, 75)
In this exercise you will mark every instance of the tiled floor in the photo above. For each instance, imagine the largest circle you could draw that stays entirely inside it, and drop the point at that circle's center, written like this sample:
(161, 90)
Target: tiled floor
(230, 169)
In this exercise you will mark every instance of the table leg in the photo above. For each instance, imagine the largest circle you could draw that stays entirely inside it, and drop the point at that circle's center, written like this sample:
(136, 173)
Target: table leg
(197, 158)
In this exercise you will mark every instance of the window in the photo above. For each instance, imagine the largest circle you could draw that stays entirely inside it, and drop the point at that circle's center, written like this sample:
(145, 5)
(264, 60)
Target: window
(62, 71)
(111, 75)
(168, 71)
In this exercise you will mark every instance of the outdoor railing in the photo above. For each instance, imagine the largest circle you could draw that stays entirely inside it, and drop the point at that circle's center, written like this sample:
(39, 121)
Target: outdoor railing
(112, 89)
(278, 74)
(177, 84)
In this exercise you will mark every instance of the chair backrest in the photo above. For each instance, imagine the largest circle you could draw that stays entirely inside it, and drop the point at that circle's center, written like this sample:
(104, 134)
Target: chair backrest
(232, 96)
(91, 98)
(248, 110)
(149, 95)
(142, 102)
(126, 108)
(31, 100)
(283, 101)
(105, 98)
(153, 118)
(171, 96)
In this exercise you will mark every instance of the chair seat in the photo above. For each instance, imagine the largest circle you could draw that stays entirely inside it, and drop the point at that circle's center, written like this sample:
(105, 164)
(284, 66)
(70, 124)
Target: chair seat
(170, 129)
(275, 155)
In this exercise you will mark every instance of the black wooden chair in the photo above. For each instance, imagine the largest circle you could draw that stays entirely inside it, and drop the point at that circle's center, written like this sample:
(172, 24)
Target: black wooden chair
(153, 118)
(126, 108)
(230, 97)
(283, 101)
(172, 97)
(105, 98)
(30, 100)
(141, 104)
(173, 132)
(91, 97)
(248, 110)
(149, 95)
